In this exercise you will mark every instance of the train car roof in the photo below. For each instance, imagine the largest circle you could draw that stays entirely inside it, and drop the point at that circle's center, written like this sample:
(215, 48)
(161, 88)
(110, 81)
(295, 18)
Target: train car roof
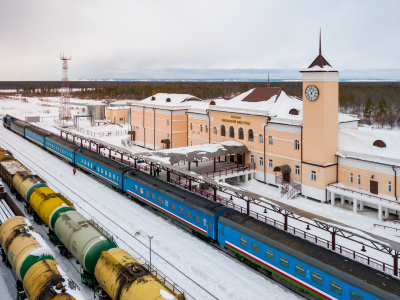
(105, 161)
(321, 258)
(20, 123)
(190, 199)
(39, 131)
(59, 141)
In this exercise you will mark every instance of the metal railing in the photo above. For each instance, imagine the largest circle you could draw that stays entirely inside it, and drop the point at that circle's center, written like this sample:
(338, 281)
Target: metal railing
(384, 227)
(229, 171)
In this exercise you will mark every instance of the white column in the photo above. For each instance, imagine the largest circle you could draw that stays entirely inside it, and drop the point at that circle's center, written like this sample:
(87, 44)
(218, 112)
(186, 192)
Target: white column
(280, 188)
(341, 199)
(246, 177)
(386, 212)
(355, 205)
(379, 213)
(361, 205)
(332, 198)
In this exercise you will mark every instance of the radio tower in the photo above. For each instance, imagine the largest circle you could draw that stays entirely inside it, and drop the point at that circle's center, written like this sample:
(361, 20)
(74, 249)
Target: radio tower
(65, 109)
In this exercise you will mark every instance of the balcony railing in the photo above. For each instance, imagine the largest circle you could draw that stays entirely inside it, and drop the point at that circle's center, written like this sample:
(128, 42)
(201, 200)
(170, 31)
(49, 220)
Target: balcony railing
(230, 170)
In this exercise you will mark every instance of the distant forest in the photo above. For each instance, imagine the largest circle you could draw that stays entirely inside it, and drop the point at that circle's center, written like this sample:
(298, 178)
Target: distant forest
(373, 102)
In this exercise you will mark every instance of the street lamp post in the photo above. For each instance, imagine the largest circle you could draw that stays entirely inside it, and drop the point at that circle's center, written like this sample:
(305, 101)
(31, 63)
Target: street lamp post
(150, 238)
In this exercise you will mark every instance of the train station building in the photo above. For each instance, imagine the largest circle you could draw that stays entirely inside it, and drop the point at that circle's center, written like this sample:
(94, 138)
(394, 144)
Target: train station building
(301, 143)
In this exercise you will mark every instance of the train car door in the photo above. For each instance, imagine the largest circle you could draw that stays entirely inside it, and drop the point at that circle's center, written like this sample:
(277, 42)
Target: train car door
(210, 232)
(221, 234)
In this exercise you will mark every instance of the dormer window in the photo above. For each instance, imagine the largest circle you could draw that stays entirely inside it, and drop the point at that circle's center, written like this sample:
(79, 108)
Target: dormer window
(380, 144)
(153, 98)
(293, 112)
(212, 103)
(168, 100)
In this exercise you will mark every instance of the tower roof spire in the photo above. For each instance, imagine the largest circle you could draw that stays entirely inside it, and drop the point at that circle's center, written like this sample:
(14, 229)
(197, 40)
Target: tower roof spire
(320, 49)
(320, 61)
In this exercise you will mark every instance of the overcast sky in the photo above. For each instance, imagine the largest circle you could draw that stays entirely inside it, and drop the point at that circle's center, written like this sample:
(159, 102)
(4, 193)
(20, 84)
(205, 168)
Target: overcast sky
(197, 39)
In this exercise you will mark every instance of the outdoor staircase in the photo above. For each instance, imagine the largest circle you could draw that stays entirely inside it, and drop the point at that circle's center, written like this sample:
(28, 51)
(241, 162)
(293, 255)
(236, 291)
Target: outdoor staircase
(289, 188)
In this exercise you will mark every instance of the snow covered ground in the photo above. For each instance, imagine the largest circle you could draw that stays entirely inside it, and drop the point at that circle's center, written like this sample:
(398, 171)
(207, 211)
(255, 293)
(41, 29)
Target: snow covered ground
(203, 271)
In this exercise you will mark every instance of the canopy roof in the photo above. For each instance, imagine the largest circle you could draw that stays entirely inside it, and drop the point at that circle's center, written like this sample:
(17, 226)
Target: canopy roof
(194, 153)
(284, 169)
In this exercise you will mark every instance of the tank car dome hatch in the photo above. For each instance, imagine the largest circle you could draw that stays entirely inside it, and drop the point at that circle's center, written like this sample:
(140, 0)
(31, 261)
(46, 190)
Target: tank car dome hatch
(380, 144)
(294, 112)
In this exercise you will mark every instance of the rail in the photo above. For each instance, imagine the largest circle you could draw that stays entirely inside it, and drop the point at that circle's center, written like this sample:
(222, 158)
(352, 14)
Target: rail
(384, 227)
(361, 193)
(229, 171)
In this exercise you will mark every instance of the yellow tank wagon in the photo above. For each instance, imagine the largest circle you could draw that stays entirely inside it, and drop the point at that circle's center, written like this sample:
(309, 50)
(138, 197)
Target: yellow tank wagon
(48, 204)
(123, 278)
(23, 246)
(25, 183)
(46, 280)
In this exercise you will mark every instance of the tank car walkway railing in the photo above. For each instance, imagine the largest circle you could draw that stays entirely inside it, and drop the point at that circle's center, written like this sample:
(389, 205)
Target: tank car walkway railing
(384, 227)
(229, 171)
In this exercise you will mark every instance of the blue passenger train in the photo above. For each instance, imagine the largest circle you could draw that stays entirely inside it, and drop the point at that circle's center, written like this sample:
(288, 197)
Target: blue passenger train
(304, 265)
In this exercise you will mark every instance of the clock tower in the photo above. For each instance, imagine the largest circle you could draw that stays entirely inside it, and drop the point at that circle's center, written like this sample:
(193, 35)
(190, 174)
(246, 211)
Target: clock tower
(320, 126)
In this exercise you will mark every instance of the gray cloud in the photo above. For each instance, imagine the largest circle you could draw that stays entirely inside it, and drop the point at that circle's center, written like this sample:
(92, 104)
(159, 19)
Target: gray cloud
(164, 39)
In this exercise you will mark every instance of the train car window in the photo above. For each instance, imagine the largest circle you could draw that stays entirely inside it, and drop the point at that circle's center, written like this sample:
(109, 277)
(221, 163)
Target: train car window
(166, 203)
(105, 173)
(114, 176)
(109, 174)
(147, 193)
(173, 206)
(269, 254)
(136, 188)
(91, 165)
(299, 270)
(204, 222)
(284, 262)
(197, 218)
(317, 278)
(256, 247)
(189, 214)
(159, 199)
(181, 210)
(101, 170)
(243, 241)
(222, 230)
(336, 288)
(94, 167)
(141, 191)
(153, 196)
(210, 225)
(81, 160)
(355, 296)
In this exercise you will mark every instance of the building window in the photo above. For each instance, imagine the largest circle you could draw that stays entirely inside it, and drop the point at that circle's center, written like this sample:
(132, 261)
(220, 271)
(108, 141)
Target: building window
(232, 132)
(389, 186)
(317, 278)
(191, 126)
(243, 241)
(167, 135)
(270, 163)
(256, 248)
(260, 161)
(296, 170)
(270, 140)
(241, 134)
(296, 145)
(351, 177)
(336, 288)
(167, 122)
(191, 143)
(261, 139)
(313, 175)
(284, 262)
(358, 179)
(222, 130)
(269, 254)
(206, 129)
(251, 135)
(201, 128)
(251, 159)
(299, 269)
(215, 130)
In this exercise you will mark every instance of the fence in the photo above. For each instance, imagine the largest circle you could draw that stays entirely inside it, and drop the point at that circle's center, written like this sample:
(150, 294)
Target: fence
(230, 170)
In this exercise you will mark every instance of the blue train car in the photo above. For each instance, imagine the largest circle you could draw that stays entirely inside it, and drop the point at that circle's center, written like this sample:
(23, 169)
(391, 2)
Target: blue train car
(7, 121)
(300, 262)
(191, 210)
(61, 147)
(36, 135)
(106, 169)
(18, 126)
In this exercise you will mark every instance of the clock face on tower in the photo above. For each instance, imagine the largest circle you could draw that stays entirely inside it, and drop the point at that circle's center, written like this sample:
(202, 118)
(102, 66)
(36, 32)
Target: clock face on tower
(312, 92)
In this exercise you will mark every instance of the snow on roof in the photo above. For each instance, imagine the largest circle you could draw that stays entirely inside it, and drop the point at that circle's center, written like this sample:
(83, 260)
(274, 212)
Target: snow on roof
(163, 99)
(360, 143)
(347, 118)
(117, 107)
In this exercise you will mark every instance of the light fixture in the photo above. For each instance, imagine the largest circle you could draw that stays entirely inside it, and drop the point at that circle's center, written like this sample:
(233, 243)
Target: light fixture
(363, 249)
(265, 210)
(308, 227)
(372, 176)
(231, 198)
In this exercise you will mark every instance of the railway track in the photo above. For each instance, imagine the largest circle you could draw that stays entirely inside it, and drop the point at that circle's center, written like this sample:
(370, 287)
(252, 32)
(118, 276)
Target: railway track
(214, 246)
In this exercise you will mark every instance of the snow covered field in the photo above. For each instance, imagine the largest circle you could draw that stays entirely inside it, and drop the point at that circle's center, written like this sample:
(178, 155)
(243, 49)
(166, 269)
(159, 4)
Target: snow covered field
(203, 271)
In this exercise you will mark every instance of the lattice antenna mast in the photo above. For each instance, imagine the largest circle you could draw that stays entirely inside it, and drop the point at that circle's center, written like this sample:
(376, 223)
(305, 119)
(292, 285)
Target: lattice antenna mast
(65, 108)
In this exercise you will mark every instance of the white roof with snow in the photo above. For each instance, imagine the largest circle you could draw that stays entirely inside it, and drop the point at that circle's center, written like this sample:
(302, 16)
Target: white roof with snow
(169, 101)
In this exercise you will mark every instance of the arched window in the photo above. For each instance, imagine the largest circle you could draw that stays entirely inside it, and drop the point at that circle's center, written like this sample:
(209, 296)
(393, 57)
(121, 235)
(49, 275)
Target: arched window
(201, 127)
(206, 129)
(215, 130)
(296, 145)
(167, 122)
(241, 133)
(251, 135)
(380, 144)
(261, 139)
(191, 126)
(222, 130)
(270, 140)
(232, 132)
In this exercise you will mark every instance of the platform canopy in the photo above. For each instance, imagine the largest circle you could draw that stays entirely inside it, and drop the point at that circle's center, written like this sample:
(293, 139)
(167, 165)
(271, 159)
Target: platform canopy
(193, 153)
